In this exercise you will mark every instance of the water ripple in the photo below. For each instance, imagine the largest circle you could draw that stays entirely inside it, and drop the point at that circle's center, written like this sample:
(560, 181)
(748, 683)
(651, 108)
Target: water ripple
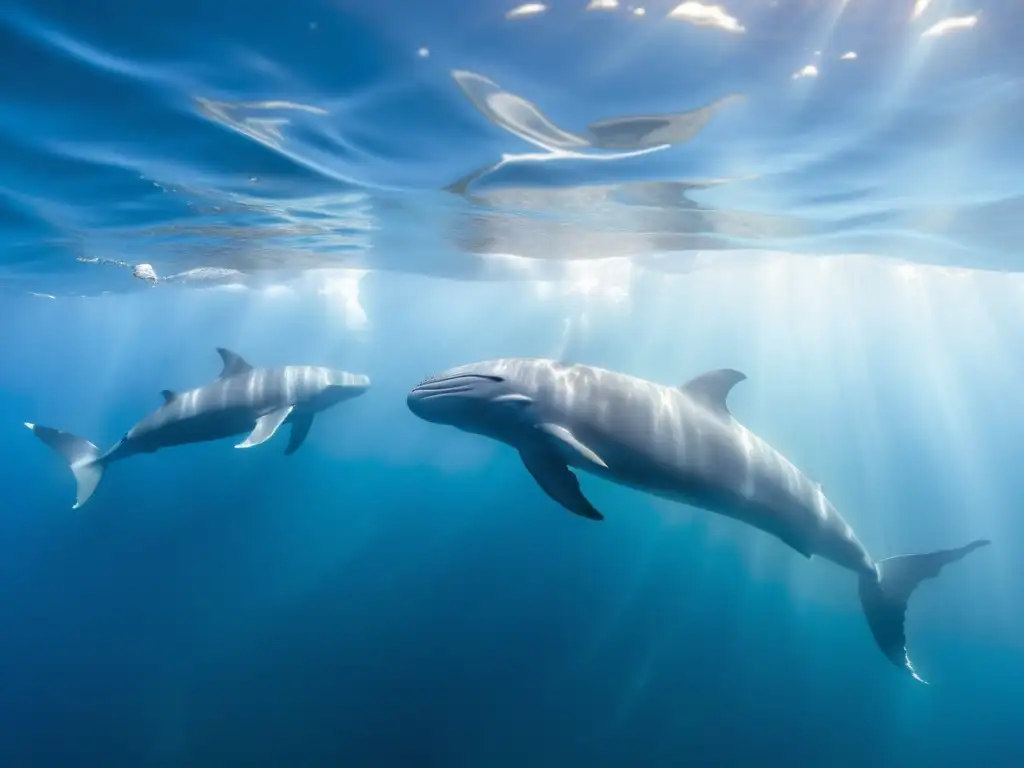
(229, 141)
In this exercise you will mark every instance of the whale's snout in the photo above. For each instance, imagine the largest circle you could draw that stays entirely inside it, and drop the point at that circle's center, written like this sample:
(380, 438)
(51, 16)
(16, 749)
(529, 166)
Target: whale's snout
(412, 402)
(444, 399)
(353, 384)
(360, 384)
(419, 401)
(460, 397)
(343, 386)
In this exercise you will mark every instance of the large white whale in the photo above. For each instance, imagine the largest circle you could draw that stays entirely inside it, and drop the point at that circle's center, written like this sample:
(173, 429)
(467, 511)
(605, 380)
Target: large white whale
(680, 443)
(242, 399)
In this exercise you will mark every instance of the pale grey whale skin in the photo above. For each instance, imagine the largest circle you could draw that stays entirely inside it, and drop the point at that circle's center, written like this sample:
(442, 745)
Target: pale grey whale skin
(241, 399)
(680, 443)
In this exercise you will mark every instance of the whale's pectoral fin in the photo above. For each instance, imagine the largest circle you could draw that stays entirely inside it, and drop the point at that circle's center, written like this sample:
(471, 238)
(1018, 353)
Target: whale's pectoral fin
(233, 363)
(265, 428)
(300, 428)
(568, 441)
(558, 482)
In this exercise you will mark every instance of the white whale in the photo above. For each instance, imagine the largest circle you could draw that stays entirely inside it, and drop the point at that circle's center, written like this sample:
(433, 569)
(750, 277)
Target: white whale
(679, 443)
(242, 399)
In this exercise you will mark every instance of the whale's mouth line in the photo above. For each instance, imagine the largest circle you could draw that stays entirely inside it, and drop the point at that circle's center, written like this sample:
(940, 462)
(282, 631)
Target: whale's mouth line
(427, 394)
(462, 382)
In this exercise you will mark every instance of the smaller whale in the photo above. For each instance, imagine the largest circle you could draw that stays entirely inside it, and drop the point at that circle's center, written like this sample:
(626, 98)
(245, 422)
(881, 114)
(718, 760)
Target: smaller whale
(679, 443)
(241, 400)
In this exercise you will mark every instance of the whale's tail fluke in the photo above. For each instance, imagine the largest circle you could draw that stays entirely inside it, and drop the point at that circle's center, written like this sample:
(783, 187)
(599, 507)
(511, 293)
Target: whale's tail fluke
(82, 456)
(884, 599)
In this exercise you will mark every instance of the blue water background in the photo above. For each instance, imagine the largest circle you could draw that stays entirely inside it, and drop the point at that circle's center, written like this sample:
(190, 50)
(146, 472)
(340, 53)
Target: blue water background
(397, 593)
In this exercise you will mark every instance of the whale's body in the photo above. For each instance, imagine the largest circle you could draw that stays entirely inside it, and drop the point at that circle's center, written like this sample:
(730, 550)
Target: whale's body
(680, 443)
(241, 400)
(233, 404)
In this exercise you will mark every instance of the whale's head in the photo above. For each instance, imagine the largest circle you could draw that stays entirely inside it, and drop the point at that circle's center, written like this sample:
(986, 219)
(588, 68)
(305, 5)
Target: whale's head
(486, 398)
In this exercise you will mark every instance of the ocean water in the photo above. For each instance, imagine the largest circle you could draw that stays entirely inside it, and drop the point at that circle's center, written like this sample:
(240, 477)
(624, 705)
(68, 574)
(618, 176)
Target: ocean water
(827, 196)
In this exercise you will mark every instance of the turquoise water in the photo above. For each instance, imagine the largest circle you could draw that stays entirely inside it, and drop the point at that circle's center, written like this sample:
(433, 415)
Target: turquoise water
(395, 188)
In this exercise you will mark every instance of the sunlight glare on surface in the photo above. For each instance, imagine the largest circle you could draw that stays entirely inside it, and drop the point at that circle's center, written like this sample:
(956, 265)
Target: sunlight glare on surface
(920, 6)
(949, 25)
(707, 16)
(527, 9)
(906, 75)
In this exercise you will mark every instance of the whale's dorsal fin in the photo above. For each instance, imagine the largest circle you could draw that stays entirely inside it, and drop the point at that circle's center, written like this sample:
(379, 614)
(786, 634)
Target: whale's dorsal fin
(168, 395)
(712, 388)
(233, 363)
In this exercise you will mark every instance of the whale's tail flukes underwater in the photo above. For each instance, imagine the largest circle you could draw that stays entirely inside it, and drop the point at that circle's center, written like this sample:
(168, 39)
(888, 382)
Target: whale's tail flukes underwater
(884, 599)
(83, 457)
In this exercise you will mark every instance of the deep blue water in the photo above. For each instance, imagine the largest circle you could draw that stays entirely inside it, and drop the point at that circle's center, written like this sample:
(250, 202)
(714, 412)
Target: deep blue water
(309, 188)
